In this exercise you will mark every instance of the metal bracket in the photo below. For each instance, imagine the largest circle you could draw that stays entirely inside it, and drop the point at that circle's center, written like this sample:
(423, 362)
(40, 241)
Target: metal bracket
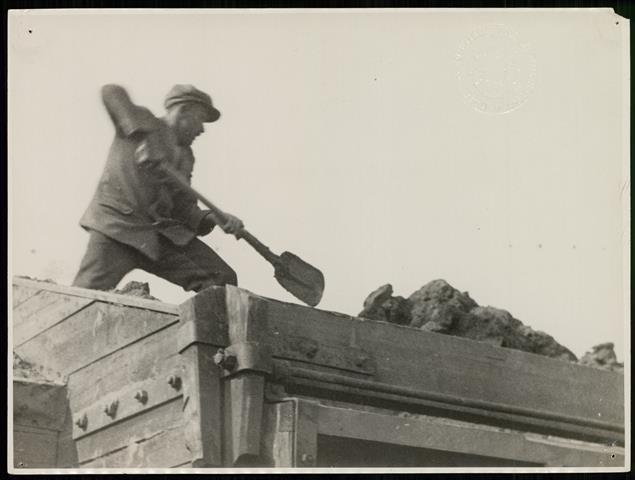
(131, 400)
(252, 356)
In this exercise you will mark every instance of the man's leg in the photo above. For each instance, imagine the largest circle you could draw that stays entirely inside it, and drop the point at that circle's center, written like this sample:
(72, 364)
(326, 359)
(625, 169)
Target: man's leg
(194, 266)
(105, 263)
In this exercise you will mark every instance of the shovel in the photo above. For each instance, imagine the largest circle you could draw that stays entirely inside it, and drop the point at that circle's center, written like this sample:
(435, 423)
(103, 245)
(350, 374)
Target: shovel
(303, 281)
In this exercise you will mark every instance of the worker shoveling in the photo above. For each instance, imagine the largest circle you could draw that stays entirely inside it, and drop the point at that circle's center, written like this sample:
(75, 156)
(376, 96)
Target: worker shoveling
(144, 213)
(302, 280)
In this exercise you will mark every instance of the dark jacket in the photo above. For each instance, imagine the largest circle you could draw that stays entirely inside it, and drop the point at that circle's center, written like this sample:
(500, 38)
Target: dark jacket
(133, 203)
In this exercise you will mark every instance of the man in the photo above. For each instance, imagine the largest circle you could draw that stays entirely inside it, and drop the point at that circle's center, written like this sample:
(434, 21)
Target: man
(139, 217)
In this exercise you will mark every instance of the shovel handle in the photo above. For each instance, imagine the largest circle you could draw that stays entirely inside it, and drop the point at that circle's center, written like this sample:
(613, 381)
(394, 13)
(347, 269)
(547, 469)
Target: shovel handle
(219, 216)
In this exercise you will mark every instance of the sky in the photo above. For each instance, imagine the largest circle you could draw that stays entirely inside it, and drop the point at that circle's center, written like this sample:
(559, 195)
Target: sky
(359, 141)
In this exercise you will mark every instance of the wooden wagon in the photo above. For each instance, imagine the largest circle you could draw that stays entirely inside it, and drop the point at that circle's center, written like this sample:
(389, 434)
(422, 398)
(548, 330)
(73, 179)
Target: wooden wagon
(229, 378)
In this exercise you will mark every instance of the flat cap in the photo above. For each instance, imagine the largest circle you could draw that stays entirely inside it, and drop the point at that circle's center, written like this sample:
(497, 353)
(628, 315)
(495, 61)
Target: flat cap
(189, 94)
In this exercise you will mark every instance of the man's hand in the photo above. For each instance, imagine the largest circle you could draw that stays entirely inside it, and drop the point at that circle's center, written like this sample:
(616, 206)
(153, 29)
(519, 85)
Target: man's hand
(233, 224)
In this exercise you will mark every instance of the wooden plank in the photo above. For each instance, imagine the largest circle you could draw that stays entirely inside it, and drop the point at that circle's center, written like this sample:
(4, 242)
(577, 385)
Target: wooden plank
(152, 358)
(108, 297)
(41, 312)
(460, 367)
(20, 293)
(271, 436)
(305, 450)
(305, 349)
(165, 450)
(284, 434)
(461, 437)
(154, 438)
(476, 370)
(246, 318)
(203, 327)
(246, 397)
(34, 447)
(202, 406)
(94, 332)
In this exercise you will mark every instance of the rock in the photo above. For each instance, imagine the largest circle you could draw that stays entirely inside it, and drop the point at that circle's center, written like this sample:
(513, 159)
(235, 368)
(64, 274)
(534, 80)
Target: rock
(438, 302)
(381, 305)
(439, 307)
(602, 356)
(136, 289)
(373, 305)
(494, 323)
(397, 310)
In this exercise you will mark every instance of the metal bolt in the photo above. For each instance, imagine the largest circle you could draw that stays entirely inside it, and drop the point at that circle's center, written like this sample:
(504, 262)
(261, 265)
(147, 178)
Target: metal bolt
(360, 361)
(306, 458)
(111, 410)
(224, 360)
(141, 396)
(82, 422)
(175, 382)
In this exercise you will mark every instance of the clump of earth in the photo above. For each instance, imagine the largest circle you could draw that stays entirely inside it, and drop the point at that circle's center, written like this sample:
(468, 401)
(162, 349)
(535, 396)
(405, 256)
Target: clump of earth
(136, 289)
(23, 370)
(439, 307)
(602, 356)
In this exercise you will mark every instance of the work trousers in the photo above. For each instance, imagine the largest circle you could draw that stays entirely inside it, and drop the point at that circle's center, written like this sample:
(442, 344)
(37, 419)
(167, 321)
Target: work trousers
(194, 266)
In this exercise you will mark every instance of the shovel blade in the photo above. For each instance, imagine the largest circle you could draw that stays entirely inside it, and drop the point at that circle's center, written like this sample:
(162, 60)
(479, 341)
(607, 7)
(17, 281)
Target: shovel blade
(303, 281)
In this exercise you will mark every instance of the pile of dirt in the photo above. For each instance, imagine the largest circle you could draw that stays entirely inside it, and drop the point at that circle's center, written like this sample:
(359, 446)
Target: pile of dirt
(438, 307)
(26, 277)
(23, 370)
(602, 356)
(136, 289)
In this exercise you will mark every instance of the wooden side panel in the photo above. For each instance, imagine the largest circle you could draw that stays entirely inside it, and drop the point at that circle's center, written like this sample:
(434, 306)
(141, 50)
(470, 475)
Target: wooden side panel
(460, 367)
(152, 439)
(153, 357)
(34, 447)
(90, 334)
(42, 311)
(22, 293)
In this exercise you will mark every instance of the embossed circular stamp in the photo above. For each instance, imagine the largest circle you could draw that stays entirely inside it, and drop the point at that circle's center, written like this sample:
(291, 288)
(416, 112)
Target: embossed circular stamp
(496, 71)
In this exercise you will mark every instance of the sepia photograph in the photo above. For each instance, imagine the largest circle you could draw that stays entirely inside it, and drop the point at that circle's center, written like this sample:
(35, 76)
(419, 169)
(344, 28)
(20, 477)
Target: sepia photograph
(318, 240)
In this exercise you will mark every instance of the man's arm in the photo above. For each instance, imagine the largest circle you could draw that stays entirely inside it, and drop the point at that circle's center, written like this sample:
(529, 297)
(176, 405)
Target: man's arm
(186, 207)
(127, 117)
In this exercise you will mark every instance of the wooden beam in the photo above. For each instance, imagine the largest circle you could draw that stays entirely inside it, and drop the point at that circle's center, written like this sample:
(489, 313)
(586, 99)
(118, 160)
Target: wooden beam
(108, 297)
(305, 451)
(461, 437)
(202, 406)
(92, 333)
(246, 319)
(41, 312)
